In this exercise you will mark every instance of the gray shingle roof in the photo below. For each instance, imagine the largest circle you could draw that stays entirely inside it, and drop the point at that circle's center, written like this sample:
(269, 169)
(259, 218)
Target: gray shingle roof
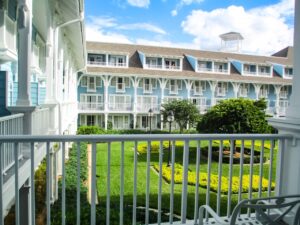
(135, 66)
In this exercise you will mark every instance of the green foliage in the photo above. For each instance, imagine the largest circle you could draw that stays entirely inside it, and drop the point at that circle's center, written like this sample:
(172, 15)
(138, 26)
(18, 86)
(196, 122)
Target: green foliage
(235, 116)
(86, 130)
(71, 191)
(185, 113)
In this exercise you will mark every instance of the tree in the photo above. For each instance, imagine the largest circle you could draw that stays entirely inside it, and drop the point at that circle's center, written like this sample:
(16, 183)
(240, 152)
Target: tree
(235, 116)
(184, 111)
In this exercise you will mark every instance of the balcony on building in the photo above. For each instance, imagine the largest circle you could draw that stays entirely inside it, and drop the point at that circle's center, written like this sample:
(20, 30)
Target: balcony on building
(8, 33)
(265, 70)
(174, 86)
(148, 85)
(90, 102)
(120, 103)
(108, 59)
(160, 62)
(200, 103)
(145, 103)
(198, 87)
(212, 66)
(249, 69)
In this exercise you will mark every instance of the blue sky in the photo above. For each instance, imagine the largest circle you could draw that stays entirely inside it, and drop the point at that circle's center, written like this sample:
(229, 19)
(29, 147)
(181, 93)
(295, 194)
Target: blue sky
(267, 26)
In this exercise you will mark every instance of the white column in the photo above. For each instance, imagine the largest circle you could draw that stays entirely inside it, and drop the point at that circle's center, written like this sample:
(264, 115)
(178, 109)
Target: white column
(188, 88)
(24, 52)
(213, 86)
(106, 85)
(135, 86)
(257, 90)
(162, 88)
(288, 179)
(235, 89)
(277, 93)
(105, 121)
(49, 67)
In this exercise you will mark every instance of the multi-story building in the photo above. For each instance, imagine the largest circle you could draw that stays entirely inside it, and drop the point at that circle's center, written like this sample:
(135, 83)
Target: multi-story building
(124, 81)
(42, 47)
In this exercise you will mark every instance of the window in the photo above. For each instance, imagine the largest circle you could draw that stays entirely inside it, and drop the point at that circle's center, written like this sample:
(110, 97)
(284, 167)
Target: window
(91, 85)
(120, 86)
(90, 120)
(98, 82)
(147, 85)
(83, 81)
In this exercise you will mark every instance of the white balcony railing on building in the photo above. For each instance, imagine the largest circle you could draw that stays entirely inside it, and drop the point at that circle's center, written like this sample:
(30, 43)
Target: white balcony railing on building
(254, 172)
(116, 64)
(92, 106)
(97, 63)
(153, 66)
(204, 69)
(40, 121)
(144, 107)
(219, 70)
(172, 67)
(8, 32)
(10, 125)
(120, 106)
(248, 72)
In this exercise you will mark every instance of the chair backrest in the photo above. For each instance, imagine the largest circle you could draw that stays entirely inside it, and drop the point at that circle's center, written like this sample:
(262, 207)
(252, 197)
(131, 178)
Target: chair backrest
(261, 206)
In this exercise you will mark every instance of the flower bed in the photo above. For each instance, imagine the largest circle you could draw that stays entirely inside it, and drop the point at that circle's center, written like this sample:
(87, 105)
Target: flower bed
(178, 174)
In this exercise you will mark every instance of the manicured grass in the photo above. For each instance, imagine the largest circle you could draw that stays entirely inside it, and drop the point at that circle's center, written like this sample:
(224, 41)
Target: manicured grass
(154, 182)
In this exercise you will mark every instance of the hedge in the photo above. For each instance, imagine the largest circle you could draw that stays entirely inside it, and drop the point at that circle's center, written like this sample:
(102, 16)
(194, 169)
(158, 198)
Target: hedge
(178, 175)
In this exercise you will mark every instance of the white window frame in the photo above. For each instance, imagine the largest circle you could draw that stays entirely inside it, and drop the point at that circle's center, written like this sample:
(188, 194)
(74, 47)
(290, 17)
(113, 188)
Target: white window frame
(83, 81)
(89, 87)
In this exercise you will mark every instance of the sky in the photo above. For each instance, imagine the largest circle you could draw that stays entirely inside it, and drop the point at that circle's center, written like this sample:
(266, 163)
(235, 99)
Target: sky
(266, 25)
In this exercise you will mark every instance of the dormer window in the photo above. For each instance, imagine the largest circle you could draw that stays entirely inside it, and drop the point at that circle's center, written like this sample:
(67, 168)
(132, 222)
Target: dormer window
(250, 69)
(204, 66)
(172, 64)
(288, 71)
(221, 67)
(264, 70)
(107, 59)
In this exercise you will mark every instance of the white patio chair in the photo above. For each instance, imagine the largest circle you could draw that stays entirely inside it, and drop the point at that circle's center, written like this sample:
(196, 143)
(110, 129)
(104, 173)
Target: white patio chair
(268, 211)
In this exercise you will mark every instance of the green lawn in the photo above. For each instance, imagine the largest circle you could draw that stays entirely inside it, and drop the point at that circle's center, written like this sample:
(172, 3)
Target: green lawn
(154, 181)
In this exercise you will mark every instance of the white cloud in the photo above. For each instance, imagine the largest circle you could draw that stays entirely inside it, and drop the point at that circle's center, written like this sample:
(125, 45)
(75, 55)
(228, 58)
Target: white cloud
(182, 3)
(142, 26)
(139, 3)
(265, 29)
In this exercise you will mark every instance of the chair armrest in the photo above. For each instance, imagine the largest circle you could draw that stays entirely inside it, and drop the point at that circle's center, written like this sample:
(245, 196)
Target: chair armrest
(210, 211)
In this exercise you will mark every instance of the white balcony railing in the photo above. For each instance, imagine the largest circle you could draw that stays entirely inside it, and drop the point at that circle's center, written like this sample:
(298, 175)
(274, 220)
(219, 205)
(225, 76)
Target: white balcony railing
(218, 70)
(248, 72)
(252, 176)
(90, 106)
(153, 66)
(116, 64)
(170, 67)
(144, 107)
(40, 121)
(97, 63)
(120, 106)
(204, 69)
(10, 125)
(8, 33)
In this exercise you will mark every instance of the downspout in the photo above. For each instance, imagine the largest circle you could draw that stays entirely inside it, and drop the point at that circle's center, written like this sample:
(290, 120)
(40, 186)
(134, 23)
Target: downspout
(55, 50)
